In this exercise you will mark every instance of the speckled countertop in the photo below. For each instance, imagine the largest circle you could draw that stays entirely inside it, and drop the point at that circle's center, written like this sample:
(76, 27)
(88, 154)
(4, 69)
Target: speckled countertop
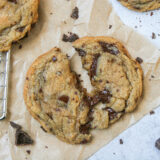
(138, 140)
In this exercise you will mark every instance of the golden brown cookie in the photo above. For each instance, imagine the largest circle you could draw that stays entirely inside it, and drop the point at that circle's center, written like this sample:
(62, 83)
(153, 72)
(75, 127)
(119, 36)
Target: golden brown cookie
(141, 5)
(53, 97)
(16, 18)
(115, 76)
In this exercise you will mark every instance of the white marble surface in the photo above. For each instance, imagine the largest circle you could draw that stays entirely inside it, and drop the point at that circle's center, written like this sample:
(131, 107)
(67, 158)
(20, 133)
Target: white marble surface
(139, 140)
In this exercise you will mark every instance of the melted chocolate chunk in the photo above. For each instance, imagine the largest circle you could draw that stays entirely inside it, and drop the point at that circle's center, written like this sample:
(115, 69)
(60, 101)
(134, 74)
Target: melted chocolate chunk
(84, 129)
(70, 38)
(54, 59)
(103, 96)
(20, 29)
(13, 1)
(75, 13)
(112, 113)
(64, 99)
(14, 125)
(81, 52)
(157, 144)
(111, 48)
(22, 138)
(43, 129)
(93, 68)
(139, 60)
(84, 141)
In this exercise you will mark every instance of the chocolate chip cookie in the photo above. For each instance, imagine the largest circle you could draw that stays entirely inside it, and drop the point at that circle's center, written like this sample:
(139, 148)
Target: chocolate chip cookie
(53, 97)
(16, 18)
(141, 5)
(115, 76)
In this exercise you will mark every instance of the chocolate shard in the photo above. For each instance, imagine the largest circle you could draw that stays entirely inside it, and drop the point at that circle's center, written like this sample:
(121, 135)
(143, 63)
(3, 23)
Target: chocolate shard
(121, 141)
(64, 98)
(112, 113)
(110, 48)
(93, 68)
(75, 13)
(13, 1)
(139, 60)
(70, 38)
(22, 138)
(14, 125)
(81, 52)
(157, 144)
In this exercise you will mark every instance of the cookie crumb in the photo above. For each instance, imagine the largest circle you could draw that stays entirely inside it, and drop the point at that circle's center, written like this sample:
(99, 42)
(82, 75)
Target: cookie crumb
(139, 60)
(110, 26)
(157, 144)
(153, 35)
(121, 141)
(20, 46)
(75, 13)
(51, 13)
(46, 146)
(152, 112)
(28, 151)
(152, 76)
(151, 14)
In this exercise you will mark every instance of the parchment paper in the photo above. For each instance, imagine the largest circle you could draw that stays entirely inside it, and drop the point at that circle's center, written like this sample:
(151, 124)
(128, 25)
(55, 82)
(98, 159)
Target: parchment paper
(95, 16)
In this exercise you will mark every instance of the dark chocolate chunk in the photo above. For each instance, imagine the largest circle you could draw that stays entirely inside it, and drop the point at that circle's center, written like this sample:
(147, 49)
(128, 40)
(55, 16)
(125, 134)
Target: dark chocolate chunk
(54, 59)
(139, 60)
(22, 138)
(153, 35)
(152, 112)
(121, 141)
(64, 98)
(84, 129)
(111, 48)
(14, 125)
(152, 76)
(46, 146)
(75, 13)
(28, 151)
(157, 144)
(81, 52)
(151, 14)
(93, 68)
(13, 1)
(112, 113)
(70, 38)
(43, 129)
(20, 29)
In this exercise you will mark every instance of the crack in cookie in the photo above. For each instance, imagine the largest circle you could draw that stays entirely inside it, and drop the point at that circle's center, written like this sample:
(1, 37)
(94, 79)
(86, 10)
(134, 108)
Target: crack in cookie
(112, 70)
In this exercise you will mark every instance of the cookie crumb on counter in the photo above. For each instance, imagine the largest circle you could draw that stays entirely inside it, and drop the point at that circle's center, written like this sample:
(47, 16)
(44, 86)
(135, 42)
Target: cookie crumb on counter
(152, 112)
(121, 141)
(75, 13)
(153, 35)
(28, 151)
(157, 144)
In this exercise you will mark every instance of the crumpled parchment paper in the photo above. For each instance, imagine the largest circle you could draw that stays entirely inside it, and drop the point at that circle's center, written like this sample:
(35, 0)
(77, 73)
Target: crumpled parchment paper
(95, 16)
